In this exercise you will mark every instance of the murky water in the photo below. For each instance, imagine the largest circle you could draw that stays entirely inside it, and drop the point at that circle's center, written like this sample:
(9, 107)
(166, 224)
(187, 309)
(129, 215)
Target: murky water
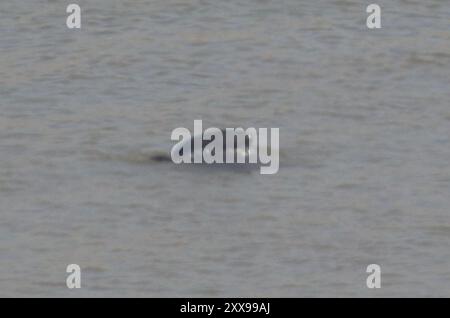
(364, 120)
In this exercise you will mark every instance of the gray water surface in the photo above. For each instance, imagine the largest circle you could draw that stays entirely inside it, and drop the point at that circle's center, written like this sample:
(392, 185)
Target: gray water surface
(364, 118)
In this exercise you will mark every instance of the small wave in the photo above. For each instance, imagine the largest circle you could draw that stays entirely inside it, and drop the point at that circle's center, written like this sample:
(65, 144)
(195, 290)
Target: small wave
(132, 157)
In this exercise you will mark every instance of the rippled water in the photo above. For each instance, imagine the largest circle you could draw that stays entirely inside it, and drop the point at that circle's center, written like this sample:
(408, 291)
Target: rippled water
(364, 122)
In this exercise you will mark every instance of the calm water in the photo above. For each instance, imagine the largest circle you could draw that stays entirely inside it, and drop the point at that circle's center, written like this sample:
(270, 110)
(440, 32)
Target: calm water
(364, 120)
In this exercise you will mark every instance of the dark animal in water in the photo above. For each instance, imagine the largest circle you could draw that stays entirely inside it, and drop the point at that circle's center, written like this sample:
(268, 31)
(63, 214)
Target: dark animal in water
(226, 148)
